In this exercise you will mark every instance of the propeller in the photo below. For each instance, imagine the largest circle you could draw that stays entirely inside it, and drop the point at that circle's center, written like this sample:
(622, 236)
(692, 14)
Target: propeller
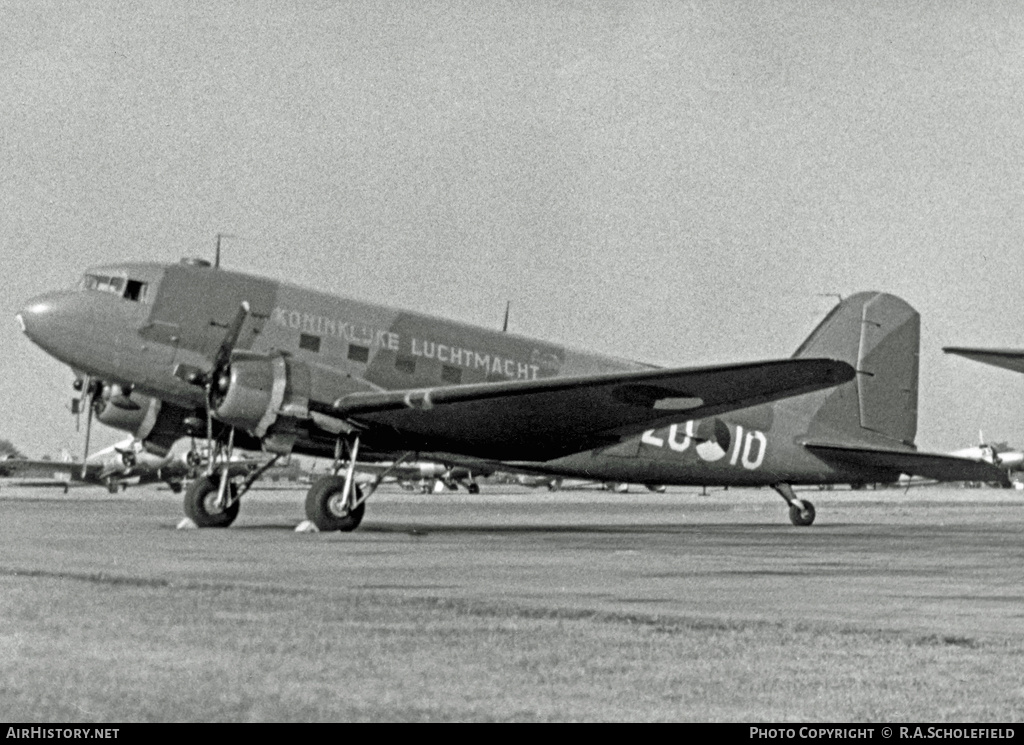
(128, 457)
(217, 379)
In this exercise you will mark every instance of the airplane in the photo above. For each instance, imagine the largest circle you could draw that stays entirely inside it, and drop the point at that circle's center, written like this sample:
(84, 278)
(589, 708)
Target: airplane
(427, 475)
(261, 364)
(997, 454)
(116, 467)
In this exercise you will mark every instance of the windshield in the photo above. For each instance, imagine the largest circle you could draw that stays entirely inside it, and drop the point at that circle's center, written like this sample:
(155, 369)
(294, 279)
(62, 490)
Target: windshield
(129, 289)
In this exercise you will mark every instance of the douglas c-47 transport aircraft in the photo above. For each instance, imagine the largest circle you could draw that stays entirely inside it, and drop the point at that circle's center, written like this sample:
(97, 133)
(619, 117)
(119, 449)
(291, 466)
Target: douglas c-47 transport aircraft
(253, 363)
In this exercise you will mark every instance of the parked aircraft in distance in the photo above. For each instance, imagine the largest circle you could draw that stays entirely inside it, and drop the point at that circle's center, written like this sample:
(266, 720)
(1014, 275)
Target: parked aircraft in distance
(999, 455)
(259, 364)
(115, 467)
(425, 475)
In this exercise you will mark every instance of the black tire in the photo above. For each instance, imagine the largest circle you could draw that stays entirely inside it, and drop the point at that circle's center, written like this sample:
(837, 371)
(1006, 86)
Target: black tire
(473, 488)
(325, 510)
(802, 517)
(199, 503)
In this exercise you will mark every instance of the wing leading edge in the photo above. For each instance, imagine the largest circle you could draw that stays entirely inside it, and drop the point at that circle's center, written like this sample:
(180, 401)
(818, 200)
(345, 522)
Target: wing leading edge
(543, 419)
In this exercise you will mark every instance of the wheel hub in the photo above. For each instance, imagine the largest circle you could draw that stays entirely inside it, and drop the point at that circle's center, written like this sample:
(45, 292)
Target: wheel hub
(338, 505)
(211, 504)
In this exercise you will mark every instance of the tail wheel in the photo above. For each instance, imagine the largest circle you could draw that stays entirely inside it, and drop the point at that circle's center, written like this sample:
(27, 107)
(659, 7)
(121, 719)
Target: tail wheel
(801, 513)
(201, 503)
(326, 506)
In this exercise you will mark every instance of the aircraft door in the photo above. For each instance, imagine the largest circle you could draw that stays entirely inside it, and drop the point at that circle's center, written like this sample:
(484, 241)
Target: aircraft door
(195, 305)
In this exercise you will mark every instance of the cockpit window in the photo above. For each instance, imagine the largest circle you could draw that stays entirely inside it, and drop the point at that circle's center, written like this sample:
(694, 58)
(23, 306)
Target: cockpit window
(129, 289)
(136, 291)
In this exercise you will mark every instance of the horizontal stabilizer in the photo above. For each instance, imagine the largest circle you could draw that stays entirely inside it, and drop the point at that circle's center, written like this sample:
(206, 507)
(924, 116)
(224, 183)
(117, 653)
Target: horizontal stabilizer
(929, 465)
(1011, 359)
(544, 419)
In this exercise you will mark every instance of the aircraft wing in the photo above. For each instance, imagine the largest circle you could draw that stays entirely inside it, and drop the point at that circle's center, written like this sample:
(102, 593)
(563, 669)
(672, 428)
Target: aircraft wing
(936, 466)
(43, 469)
(1011, 359)
(543, 419)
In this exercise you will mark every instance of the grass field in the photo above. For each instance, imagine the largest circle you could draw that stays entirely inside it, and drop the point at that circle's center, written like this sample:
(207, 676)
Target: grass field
(146, 641)
(102, 650)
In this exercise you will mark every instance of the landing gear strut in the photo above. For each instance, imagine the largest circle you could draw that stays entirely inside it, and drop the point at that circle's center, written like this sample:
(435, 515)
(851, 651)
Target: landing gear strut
(801, 511)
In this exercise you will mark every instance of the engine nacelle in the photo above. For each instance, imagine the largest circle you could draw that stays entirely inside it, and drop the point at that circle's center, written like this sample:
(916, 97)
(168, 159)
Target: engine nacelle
(128, 412)
(254, 390)
(152, 422)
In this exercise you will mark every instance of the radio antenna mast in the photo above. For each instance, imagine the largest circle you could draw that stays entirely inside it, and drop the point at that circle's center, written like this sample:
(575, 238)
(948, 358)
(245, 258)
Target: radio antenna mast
(216, 258)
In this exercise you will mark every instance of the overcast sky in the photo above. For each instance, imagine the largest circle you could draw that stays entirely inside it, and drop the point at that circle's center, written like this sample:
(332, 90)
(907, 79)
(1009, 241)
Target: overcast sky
(675, 183)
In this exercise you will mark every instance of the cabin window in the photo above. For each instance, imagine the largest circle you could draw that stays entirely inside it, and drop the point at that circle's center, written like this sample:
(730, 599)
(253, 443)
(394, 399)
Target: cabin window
(357, 353)
(450, 374)
(405, 364)
(310, 342)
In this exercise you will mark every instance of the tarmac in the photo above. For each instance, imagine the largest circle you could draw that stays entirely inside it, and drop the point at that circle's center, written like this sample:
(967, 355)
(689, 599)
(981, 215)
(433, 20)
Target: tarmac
(942, 561)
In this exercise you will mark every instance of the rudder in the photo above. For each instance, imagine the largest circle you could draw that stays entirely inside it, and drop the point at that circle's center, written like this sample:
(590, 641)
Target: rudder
(880, 335)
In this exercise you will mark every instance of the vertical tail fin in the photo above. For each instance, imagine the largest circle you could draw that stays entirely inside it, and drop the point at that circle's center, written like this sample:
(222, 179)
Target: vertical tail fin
(880, 335)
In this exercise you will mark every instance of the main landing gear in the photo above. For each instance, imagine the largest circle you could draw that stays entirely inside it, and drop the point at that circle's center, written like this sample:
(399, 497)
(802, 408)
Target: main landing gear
(336, 502)
(213, 501)
(207, 507)
(330, 506)
(801, 511)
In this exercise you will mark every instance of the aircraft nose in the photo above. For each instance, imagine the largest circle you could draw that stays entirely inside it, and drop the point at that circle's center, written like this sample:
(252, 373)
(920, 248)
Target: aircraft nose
(49, 320)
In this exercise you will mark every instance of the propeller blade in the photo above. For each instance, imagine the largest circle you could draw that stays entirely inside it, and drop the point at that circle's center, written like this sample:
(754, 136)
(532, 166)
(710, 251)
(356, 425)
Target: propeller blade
(230, 339)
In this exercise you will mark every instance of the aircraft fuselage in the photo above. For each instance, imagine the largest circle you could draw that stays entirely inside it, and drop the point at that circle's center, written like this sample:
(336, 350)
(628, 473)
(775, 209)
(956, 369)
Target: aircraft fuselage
(146, 325)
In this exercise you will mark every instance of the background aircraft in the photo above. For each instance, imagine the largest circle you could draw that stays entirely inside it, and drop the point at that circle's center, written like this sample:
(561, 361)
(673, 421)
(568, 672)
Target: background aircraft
(115, 467)
(428, 476)
(998, 454)
(189, 349)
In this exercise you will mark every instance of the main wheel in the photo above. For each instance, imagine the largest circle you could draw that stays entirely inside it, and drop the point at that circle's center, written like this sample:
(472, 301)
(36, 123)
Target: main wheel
(326, 508)
(802, 516)
(201, 503)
